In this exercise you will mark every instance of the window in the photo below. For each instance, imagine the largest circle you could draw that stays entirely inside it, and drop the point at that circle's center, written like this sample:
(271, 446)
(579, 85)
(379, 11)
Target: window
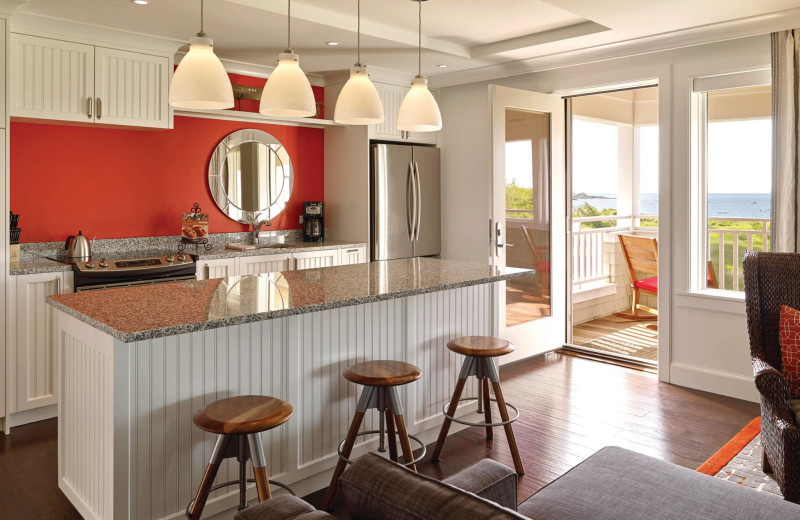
(734, 162)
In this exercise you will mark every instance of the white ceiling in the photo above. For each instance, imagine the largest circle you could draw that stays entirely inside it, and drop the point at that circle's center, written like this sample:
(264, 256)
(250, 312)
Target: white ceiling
(463, 34)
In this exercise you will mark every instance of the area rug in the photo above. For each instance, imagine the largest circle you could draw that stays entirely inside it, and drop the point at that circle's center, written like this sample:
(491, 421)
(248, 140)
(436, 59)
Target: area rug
(637, 341)
(739, 461)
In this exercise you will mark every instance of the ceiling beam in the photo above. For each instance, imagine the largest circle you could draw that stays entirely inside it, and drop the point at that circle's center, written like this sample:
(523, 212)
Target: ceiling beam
(532, 40)
(348, 22)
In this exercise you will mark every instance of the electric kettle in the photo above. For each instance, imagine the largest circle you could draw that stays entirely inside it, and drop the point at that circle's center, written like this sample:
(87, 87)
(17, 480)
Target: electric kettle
(79, 247)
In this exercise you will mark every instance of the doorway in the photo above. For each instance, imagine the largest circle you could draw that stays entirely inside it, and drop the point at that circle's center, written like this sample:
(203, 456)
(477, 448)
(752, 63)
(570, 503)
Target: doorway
(613, 221)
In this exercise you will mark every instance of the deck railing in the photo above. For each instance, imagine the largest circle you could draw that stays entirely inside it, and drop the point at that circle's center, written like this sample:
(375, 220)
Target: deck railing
(726, 248)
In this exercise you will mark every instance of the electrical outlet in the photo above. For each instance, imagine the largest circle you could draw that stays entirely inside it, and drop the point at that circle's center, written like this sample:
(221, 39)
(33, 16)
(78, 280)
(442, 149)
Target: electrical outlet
(301, 219)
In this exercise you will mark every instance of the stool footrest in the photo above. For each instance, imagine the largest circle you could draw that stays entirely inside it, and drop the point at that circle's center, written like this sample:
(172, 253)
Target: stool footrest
(373, 432)
(482, 423)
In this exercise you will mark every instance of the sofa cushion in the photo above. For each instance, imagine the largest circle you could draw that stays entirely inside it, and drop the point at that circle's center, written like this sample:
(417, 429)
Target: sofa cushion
(789, 338)
(617, 484)
(282, 507)
(488, 479)
(376, 488)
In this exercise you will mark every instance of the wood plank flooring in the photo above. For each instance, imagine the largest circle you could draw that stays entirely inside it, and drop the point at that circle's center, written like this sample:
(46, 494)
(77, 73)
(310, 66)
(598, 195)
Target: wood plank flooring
(570, 407)
(618, 335)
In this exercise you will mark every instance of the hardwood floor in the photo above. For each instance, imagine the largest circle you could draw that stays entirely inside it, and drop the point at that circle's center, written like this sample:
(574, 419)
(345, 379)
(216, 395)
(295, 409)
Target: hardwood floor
(619, 336)
(570, 407)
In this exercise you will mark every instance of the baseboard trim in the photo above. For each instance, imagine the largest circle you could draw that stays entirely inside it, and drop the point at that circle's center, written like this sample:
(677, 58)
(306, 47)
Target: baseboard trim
(32, 416)
(714, 381)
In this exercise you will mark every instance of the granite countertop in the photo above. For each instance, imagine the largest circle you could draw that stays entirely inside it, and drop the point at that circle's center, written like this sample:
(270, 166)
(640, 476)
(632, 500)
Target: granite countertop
(139, 313)
(38, 264)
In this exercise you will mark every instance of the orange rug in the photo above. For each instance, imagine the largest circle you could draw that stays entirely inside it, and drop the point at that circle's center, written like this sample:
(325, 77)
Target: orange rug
(725, 454)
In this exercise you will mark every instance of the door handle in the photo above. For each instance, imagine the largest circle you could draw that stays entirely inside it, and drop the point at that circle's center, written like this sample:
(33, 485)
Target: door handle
(99, 110)
(418, 200)
(58, 285)
(90, 106)
(207, 270)
(411, 208)
(498, 233)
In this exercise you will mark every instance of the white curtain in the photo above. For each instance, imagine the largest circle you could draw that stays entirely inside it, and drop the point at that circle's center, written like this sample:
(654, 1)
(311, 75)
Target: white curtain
(785, 140)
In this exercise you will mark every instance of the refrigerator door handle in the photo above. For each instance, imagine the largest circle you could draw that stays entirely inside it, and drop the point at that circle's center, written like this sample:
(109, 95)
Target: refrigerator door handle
(418, 200)
(411, 207)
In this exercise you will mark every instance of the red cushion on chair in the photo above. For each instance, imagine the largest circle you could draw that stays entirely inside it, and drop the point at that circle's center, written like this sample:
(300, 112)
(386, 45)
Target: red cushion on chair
(648, 284)
(789, 337)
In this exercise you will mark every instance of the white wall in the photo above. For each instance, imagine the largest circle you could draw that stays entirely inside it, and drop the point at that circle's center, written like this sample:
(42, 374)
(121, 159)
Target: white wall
(706, 350)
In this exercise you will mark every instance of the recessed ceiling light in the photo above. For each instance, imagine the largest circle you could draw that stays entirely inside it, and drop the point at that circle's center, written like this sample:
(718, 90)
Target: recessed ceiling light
(442, 66)
(141, 2)
(332, 44)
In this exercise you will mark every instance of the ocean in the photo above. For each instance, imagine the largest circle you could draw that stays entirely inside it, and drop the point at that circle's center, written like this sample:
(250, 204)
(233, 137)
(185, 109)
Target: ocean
(745, 205)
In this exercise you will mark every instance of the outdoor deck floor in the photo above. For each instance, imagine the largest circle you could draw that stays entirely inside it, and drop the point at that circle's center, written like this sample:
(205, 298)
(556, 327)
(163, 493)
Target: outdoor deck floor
(618, 336)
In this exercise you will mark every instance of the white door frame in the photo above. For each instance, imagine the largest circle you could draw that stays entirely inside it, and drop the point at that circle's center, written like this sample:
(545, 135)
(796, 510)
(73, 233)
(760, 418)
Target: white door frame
(570, 83)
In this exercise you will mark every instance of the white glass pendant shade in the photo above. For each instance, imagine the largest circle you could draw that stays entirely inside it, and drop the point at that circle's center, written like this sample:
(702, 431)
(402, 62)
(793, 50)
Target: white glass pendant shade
(359, 102)
(200, 81)
(419, 111)
(288, 92)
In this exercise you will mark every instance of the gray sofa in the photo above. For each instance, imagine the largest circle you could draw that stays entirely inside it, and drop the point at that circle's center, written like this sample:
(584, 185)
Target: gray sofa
(614, 483)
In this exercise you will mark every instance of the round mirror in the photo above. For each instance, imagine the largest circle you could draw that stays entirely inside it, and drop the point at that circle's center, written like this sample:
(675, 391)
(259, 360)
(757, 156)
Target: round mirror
(250, 176)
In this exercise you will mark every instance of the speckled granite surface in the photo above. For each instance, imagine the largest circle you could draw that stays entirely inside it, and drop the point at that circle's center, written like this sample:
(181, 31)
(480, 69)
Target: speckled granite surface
(139, 313)
(32, 264)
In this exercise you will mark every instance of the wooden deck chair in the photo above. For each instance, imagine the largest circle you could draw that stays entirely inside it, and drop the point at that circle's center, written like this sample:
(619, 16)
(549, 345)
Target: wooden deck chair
(711, 277)
(540, 263)
(641, 255)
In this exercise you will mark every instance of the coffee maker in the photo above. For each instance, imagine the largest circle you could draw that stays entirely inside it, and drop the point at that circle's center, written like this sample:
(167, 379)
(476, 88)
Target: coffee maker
(313, 222)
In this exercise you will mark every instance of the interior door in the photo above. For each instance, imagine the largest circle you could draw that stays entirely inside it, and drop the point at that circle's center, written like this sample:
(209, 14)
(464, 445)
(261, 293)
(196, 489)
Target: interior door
(528, 217)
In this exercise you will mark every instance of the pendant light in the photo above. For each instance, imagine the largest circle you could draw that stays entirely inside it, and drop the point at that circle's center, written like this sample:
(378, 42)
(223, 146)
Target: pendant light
(200, 81)
(419, 111)
(288, 92)
(359, 102)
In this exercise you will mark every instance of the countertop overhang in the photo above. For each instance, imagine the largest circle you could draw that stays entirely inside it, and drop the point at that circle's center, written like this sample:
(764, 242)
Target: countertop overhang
(138, 313)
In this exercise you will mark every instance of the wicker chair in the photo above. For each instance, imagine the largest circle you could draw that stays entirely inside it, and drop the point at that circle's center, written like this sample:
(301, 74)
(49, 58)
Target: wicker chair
(772, 280)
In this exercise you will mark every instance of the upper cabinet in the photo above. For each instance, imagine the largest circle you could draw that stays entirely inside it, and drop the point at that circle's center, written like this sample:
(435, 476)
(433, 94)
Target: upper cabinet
(391, 97)
(65, 81)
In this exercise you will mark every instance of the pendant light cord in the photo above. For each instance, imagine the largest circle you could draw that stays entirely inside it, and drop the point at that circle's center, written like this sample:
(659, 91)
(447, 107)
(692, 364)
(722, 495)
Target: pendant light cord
(419, 42)
(289, 32)
(202, 32)
(358, 51)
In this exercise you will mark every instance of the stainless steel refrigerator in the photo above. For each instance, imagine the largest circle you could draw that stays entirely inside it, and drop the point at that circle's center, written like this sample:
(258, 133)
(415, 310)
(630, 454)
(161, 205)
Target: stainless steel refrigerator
(406, 204)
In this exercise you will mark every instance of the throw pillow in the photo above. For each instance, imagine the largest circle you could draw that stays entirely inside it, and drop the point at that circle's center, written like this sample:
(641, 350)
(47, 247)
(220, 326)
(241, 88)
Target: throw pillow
(789, 337)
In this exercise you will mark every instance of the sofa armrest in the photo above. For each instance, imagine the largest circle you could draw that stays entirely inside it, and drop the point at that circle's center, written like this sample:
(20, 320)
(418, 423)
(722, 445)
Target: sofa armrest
(490, 480)
(282, 507)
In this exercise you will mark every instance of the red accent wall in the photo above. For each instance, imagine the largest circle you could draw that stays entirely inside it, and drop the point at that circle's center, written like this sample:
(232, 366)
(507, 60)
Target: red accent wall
(118, 183)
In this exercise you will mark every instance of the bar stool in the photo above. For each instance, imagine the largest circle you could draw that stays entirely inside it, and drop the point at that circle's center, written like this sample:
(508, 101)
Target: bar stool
(380, 380)
(238, 422)
(479, 351)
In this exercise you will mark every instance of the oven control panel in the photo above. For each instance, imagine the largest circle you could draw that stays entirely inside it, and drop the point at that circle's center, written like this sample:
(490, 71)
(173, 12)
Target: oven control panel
(137, 264)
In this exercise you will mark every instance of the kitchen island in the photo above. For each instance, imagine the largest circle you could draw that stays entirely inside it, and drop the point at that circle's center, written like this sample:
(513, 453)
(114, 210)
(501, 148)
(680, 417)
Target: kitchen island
(135, 363)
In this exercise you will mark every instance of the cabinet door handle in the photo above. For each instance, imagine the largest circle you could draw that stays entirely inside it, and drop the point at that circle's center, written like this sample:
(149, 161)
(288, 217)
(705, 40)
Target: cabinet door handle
(58, 285)
(352, 251)
(99, 108)
(207, 270)
(90, 104)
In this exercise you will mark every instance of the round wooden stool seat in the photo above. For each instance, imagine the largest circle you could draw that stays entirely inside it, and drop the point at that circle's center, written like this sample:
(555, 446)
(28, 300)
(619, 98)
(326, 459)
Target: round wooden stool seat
(382, 373)
(243, 415)
(480, 346)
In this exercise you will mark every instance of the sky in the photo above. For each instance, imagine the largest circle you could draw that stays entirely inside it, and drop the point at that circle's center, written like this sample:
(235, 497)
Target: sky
(739, 158)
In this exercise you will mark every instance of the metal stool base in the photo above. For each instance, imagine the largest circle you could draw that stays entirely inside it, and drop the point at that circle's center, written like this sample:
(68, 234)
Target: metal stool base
(482, 424)
(372, 432)
(238, 482)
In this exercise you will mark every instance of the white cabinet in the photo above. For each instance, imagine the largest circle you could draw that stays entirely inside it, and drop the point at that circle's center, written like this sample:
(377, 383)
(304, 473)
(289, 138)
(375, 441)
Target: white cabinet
(51, 79)
(312, 259)
(131, 88)
(66, 81)
(222, 268)
(32, 340)
(355, 255)
(264, 264)
(391, 97)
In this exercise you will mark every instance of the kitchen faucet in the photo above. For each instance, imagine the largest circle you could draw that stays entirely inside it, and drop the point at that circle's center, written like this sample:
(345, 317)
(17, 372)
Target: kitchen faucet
(257, 228)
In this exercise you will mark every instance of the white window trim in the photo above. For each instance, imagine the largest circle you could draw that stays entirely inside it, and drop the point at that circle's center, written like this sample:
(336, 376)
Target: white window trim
(701, 85)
